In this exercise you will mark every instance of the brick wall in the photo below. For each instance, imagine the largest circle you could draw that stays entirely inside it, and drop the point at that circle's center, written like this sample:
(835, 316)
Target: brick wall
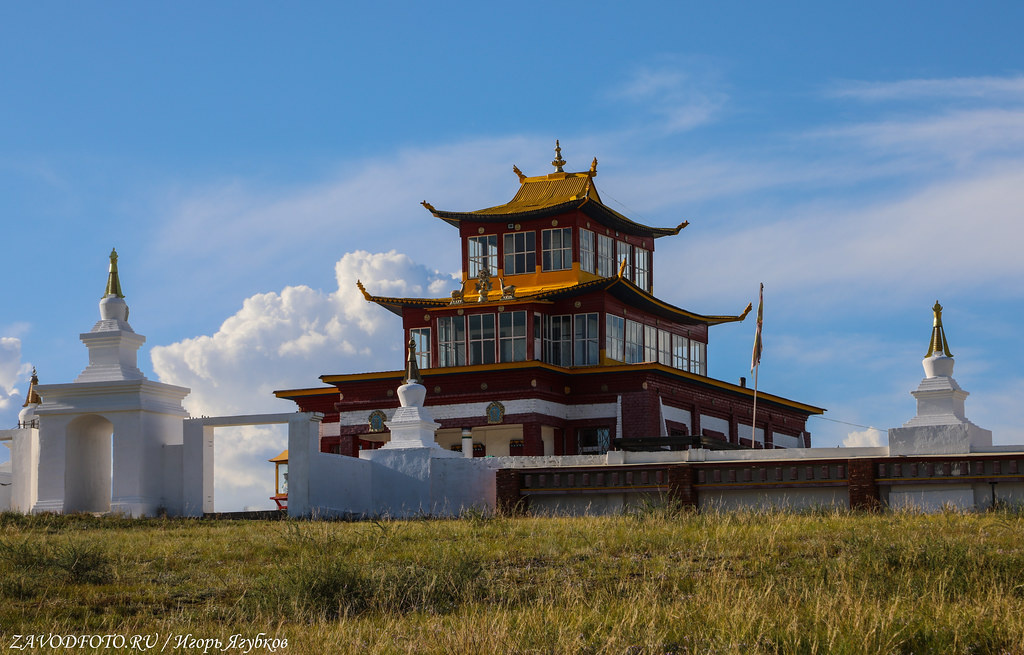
(680, 485)
(507, 499)
(862, 486)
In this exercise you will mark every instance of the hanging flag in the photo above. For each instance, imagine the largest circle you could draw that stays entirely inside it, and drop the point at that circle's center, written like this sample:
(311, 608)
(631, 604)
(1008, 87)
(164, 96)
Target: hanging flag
(755, 358)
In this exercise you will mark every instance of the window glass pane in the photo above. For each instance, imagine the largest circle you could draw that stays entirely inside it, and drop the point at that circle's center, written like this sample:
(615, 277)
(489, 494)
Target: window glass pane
(697, 363)
(634, 342)
(587, 251)
(664, 348)
(650, 343)
(624, 251)
(512, 336)
(558, 340)
(481, 339)
(680, 352)
(557, 248)
(605, 256)
(520, 253)
(643, 269)
(593, 441)
(538, 340)
(483, 253)
(451, 341)
(585, 340)
(614, 338)
(421, 339)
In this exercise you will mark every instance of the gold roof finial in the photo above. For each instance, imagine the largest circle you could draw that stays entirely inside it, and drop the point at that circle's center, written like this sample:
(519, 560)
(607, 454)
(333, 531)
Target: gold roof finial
(32, 397)
(593, 167)
(113, 282)
(412, 371)
(558, 163)
(938, 343)
(519, 173)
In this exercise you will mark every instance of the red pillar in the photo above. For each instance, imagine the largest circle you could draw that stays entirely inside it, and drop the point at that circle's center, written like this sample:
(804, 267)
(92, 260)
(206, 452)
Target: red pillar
(532, 442)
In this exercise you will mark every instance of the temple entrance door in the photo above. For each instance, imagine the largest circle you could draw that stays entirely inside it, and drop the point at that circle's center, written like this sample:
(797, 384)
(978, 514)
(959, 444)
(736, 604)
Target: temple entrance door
(87, 464)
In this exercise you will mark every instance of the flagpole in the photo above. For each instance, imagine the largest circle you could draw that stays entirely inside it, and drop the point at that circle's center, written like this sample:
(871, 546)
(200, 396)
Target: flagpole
(753, 417)
(755, 364)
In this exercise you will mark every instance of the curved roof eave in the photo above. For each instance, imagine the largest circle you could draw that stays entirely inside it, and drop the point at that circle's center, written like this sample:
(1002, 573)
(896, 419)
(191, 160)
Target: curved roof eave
(592, 208)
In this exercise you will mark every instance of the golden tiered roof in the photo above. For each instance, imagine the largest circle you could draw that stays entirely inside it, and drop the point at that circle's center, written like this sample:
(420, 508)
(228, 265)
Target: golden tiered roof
(618, 286)
(555, 193)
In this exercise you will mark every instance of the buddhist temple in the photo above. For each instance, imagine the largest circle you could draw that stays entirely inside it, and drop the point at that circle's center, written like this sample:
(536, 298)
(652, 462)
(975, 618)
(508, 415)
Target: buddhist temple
(555, 344)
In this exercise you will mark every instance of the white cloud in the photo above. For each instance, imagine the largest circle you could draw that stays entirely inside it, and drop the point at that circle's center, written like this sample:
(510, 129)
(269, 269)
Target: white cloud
(986, 88)
(865, 438)
(682, 96)
(286, 339)
(959, 136)
(11, 370)
(968, 229)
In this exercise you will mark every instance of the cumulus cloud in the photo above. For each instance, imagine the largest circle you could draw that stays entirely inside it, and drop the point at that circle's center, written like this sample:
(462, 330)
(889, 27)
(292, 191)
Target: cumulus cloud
(287, 339)
(11, 371)
(865, 438)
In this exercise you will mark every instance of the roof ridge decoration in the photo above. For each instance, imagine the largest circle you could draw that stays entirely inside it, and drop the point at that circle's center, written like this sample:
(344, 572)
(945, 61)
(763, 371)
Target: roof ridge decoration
(938, 343)
(558, 162)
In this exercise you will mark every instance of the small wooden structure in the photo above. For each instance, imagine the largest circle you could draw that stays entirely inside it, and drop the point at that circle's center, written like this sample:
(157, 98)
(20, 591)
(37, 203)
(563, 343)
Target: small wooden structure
(280, 480)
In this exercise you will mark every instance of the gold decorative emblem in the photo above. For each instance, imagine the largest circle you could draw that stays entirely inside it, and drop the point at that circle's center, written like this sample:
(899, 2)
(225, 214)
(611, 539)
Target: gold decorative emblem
(376, 420)
(495, 412)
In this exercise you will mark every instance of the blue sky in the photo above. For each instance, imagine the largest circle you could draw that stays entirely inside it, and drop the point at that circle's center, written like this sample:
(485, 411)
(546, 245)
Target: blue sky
(251, 160)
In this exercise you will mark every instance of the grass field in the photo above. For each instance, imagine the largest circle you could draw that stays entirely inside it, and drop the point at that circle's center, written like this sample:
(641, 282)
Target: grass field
(657, 581)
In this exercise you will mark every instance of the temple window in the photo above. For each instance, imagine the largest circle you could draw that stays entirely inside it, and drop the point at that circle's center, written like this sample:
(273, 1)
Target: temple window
(624, 251)
(643, 269)
(614, 338)
(605, 256)
(421, 338)
(520, 253)
(664, 347)
(558, 340)
(557, 249)
(698, 352)
(451, 341)
(593, 441)
(538, 331)
(483, 254)
(587, 251)
(680, 352)
(634, 342)
(650, 343)
(481, 339)
(585, 340)
(512, 336)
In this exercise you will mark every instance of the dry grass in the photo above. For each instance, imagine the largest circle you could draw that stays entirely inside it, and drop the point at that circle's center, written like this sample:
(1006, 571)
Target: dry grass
(658, 581)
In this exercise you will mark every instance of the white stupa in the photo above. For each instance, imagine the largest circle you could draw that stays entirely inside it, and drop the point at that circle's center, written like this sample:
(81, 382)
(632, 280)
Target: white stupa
(412, 425)
(940, 426)
(103, 438)
(27, 416)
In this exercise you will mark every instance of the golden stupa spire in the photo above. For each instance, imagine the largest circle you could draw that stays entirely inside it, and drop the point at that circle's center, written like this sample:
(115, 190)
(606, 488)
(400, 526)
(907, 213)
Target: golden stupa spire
(938, 343)
(412, 371)
(32, 397)
(113, 282)
(558, 163)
